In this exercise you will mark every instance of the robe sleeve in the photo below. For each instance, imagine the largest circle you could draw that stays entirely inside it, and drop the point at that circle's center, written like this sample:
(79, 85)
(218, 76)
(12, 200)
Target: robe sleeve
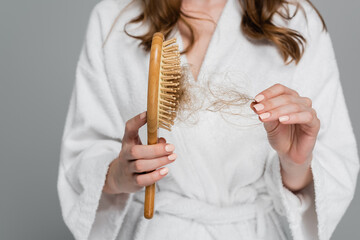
(91, 141)
(314, 212)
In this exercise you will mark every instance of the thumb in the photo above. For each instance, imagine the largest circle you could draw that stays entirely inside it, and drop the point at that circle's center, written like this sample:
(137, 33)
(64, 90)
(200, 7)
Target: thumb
(132, 125)
(271, 127)
(161, 140)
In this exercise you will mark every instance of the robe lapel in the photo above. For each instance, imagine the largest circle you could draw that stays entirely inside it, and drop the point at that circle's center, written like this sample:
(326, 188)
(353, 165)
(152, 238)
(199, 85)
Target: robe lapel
(202, 182)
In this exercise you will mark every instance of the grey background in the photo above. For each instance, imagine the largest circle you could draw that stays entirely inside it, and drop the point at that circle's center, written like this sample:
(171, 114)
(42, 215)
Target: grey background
(40, 42)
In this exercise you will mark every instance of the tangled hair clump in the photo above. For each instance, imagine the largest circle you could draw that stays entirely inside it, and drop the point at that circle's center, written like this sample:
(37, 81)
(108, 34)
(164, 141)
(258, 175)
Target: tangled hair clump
(220, 92)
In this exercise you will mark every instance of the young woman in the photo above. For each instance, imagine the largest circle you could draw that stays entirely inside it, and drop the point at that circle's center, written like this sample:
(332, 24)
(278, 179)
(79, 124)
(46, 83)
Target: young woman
(292, 174)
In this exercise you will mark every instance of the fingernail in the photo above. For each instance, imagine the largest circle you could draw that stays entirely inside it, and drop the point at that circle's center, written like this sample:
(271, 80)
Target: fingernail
(143, 115)
(264, 115)
(172, 157)
(164, 171)
(259, 107)
(169, 147)
(259, 98)
(283, 118)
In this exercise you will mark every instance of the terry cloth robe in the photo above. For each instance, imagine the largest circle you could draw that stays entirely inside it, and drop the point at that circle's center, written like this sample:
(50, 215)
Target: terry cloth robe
(226, 181)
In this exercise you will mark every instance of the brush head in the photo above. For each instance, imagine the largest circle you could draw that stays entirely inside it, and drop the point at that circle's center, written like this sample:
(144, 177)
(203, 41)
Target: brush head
(164, 82)
(169, 82)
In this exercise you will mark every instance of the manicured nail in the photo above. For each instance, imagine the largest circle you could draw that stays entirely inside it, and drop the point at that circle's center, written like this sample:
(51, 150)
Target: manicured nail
(169, 147)
(172, 157)
(164, 171)
(264, 115)
(259, 107)
(143, 115)
(283, 118)
(259, 98)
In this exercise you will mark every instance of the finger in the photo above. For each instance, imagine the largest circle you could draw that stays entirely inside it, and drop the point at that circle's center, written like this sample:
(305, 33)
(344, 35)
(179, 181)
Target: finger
(150, 178)
(132, 125)
(273, 91)
(149, 151)
(146, 165)
(278, 101)
(252, 104)
(161, 140)
(274, 114)
(306, 117)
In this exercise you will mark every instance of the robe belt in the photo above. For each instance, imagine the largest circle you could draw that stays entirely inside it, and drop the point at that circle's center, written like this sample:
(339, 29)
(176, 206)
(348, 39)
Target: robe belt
(210, 215)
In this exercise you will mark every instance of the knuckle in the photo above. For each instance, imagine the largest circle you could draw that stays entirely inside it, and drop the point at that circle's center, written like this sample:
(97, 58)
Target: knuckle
(314, 114)
(138, 181)
(156, 149)
(280, 87)
(133, 151)
(308, 101)
(309, 116)
(296, 93)
(138, 166)
(151, 150)
(127, 126)
(159, 149)
(154, 176)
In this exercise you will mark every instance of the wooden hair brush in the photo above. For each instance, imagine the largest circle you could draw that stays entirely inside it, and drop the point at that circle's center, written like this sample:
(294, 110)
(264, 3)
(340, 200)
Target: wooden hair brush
(163, 97)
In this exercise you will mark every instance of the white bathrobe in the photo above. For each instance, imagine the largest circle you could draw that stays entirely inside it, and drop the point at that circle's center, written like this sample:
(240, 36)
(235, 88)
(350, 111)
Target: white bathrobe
(225, 182)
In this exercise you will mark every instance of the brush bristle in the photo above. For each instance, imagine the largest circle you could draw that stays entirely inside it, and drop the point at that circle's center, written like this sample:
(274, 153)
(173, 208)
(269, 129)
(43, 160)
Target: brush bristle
(170, 75)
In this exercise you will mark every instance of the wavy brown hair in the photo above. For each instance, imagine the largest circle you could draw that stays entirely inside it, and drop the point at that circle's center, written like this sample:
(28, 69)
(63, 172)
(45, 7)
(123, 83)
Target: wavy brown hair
(257, 24)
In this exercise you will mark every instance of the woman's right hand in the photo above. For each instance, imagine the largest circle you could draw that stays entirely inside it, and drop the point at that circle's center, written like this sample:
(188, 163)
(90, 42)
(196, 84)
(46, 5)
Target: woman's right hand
(134, 167)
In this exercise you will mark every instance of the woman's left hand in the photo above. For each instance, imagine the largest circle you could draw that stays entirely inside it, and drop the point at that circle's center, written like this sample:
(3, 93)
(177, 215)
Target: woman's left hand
(291, 124)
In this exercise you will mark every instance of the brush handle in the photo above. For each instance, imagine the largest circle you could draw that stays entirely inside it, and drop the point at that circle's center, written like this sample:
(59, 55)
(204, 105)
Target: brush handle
(152, 112)
(150, 191)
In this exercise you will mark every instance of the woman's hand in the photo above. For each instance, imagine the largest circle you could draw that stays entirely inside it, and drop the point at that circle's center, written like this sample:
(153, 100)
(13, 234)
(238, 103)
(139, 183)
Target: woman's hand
(128, 172)
(292, 127)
